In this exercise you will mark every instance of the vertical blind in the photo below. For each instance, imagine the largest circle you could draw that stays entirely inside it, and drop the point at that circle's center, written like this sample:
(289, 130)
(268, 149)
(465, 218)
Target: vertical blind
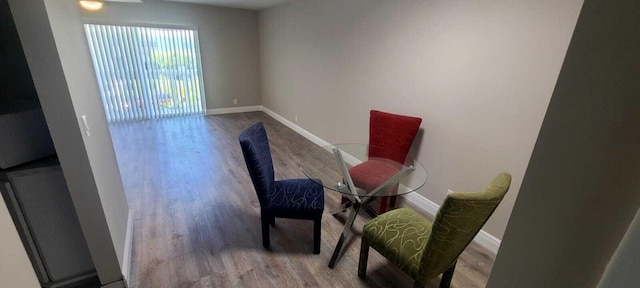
(146, 73)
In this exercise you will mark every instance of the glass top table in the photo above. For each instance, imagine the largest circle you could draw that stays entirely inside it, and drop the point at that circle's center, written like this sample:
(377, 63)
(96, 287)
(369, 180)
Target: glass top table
(322, 166)
(361, 173)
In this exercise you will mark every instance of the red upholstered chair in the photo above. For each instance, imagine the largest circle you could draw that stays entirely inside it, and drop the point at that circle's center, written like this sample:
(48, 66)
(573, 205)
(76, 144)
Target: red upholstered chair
(390, 138)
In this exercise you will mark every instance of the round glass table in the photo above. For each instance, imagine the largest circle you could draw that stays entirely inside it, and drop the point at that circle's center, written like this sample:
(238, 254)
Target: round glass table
(361, 173)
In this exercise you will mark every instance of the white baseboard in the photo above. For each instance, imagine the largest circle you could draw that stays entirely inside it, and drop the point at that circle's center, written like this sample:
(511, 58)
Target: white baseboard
(217, 111)
(488, 241)
(128, 248)
(117, 284)
(422, 203)
(306, 134)
(483, 238)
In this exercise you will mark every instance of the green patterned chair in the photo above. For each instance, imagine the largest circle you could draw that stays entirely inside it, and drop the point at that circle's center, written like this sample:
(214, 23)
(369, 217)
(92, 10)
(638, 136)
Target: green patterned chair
(424, 250)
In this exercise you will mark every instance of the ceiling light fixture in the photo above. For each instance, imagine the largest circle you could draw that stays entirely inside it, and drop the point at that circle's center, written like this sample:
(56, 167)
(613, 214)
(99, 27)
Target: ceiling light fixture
(92, 5)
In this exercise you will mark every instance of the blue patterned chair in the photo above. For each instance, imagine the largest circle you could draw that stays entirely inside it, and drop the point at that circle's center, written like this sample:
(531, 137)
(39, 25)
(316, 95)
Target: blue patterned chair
(423, 249)
(291, 198)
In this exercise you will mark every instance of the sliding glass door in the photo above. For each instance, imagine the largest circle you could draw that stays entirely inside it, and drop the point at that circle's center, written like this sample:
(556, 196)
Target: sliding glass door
(146, 73)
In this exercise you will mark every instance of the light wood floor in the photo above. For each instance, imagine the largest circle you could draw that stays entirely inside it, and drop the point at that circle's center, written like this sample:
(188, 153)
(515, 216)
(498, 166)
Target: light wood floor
(197, 216)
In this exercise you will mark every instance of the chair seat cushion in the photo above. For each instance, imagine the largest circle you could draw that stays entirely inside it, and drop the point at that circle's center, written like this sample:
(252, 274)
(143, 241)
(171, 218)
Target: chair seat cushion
(400, 235)
(372, 173)
(295, 198)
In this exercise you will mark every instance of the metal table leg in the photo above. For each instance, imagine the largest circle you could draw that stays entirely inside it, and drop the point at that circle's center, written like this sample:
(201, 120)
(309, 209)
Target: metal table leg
(355, 201)
(346, 231)
(341, 208)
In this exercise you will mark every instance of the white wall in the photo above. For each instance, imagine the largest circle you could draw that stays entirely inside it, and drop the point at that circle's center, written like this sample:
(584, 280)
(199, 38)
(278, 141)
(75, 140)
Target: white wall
(59, 61)
(581, 190)
(15, 267)
(228, 43)
(479, 73)
(64, 17)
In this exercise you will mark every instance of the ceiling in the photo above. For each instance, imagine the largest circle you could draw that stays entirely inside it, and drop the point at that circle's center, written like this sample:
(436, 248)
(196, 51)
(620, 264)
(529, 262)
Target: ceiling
(245, 4)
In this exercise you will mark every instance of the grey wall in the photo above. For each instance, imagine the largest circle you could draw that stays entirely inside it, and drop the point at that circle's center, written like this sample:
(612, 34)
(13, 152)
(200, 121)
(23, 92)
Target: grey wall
(479, 73)
(581, 189)
(228, 43)
(622, 270)
(58, 57)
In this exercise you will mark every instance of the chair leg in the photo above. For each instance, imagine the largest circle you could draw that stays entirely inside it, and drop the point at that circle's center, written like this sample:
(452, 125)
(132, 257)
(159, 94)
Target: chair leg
(445, 282)
(272, 221)
(384, 204)
(265, 231)
(316, 234)
(392, 201)
(364, 257)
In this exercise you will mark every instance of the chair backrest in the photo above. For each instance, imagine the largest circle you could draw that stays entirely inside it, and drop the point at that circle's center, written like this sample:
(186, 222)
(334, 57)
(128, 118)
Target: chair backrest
(393, 132)
(257, 156)
(458, 221)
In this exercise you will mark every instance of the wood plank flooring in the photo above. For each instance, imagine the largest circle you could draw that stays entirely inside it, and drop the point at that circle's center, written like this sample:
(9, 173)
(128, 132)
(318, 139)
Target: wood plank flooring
(197, 217)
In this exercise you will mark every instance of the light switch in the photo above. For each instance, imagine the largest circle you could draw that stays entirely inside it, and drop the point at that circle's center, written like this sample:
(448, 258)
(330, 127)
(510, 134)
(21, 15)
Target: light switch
(87, 130)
